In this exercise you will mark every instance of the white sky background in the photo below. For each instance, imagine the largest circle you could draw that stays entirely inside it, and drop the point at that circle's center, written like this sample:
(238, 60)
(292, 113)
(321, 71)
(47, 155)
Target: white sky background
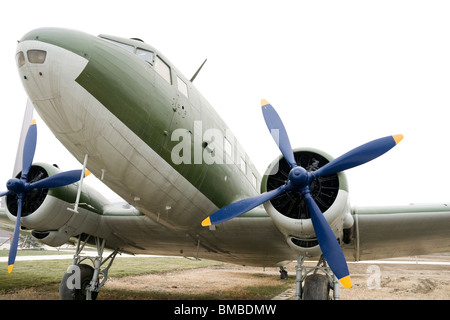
(339, 73)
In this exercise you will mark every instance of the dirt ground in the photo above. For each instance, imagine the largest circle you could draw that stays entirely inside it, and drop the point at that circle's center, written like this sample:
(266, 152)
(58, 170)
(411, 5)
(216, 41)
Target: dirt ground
(200, 281)
(371, 281)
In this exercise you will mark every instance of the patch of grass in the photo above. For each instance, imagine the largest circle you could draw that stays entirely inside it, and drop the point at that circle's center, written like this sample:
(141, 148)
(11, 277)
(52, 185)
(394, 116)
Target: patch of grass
(28, 274)
(132, 266)
(246, 293)
(262, 292)
(32, 273)
(266, 292)
(120, 294)
(44, 277)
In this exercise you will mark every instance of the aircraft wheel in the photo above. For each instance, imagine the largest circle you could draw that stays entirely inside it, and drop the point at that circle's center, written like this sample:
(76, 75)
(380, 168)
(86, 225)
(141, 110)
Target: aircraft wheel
(316, 287)
(86, 273)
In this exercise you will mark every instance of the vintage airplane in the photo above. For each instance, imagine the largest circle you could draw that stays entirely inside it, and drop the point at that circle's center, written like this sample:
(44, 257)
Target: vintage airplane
(132, 119)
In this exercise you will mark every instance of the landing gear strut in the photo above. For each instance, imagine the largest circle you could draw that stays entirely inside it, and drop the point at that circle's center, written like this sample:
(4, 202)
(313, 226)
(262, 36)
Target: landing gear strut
(316, 286)
(81, 281)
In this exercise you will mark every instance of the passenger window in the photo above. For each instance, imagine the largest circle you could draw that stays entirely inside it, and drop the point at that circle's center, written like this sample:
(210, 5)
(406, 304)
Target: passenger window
(253, 177)
(145, 55)
(243, 165)
(182, 87)
(227, 146)
(163, 69)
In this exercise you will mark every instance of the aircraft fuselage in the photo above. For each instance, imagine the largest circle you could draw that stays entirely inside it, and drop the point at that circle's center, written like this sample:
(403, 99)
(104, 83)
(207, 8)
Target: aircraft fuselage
(134, 114)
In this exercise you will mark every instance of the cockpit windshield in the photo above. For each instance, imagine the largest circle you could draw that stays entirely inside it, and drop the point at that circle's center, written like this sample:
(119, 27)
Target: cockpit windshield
(141, 53)
(125, 46)
(145, 55)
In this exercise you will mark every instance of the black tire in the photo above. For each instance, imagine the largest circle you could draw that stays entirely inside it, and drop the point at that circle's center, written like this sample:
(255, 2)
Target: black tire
(86, 274)
(316, 287)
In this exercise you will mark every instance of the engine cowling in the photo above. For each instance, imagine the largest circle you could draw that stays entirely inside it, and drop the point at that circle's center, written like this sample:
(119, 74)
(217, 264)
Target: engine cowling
(289, 210)
(45, 211)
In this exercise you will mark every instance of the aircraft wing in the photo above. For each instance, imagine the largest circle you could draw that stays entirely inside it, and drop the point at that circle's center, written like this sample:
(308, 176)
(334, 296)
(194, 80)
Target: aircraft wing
(400, 231)
(5, 223)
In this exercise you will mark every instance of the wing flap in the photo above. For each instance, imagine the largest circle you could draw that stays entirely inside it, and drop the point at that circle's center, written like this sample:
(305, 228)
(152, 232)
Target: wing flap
(400, 231)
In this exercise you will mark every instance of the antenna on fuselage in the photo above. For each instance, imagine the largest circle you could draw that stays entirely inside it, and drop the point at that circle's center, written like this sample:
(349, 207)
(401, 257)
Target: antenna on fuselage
(195, 75)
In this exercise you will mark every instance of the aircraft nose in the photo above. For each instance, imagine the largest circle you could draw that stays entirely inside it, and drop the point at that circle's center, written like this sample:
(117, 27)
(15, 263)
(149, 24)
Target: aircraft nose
(77, 42)
(47, 59)
(34, 71)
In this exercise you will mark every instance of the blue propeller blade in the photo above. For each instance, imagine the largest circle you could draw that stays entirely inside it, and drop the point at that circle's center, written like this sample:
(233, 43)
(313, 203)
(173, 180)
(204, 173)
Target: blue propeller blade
(300, 180)
(240, 207)
(360, 155)
(15, 239)
(58, 180)
(21, 186)
(28, 149)
(5, 193)
(328, 243)
(274, 124)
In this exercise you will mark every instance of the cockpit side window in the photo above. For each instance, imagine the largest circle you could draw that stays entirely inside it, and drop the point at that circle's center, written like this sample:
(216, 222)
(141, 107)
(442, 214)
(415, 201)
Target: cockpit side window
(36, 56)
(145, 55)
(20, 59)
(122, 45)
(163, 69)
(160, 66)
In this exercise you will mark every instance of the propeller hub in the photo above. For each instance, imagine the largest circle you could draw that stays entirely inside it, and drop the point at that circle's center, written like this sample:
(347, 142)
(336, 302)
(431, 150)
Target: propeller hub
(299, 177)
(16, 185)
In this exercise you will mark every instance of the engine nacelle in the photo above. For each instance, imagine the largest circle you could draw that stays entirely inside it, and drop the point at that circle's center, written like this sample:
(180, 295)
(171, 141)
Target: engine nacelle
(51, 238)
(289, 210)
(45, 211)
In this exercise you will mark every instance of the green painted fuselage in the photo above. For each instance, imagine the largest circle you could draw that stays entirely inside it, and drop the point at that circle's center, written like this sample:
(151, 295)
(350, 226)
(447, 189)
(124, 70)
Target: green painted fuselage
(124, 105)
(153, 108)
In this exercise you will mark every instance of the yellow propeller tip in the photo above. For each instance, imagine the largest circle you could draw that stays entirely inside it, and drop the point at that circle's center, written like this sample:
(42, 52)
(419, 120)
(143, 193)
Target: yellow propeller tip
(33, 122)
(206, 222)
(398, 138)
(346, 282)
(264, 102)
(86, 173)
(10, 267)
